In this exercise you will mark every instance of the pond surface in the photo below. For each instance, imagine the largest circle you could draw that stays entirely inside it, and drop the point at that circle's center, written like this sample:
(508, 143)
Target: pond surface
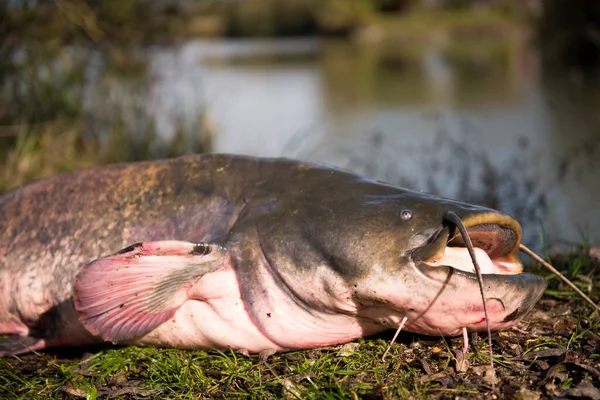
(476, 122)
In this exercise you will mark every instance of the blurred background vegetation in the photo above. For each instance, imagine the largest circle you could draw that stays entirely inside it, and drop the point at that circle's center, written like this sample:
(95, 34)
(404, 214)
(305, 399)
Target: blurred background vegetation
(86, 82)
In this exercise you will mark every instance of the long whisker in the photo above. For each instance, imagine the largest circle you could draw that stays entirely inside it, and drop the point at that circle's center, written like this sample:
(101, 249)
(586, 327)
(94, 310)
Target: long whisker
(455, 219)
(531, 254)
(394, 338)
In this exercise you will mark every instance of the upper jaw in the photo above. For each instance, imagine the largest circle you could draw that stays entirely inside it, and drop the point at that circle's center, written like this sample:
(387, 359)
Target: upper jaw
(495, 238)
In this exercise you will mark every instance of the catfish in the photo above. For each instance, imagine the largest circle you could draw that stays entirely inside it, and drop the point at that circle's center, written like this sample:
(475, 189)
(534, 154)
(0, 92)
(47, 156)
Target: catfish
(220, 251)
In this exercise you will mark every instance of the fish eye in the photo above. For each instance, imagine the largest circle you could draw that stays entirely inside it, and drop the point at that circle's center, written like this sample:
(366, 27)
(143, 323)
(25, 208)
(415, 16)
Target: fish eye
(406, 214)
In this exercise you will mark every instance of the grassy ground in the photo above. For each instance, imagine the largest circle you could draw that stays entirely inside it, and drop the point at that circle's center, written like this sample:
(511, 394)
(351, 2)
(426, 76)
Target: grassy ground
(558, 356)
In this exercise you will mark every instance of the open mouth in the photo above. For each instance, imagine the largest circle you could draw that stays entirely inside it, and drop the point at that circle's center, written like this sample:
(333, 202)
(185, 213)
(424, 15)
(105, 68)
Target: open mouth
(495, 240)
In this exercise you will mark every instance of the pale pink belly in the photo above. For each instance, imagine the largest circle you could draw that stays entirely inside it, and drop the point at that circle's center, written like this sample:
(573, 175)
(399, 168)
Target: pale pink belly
(219, 320)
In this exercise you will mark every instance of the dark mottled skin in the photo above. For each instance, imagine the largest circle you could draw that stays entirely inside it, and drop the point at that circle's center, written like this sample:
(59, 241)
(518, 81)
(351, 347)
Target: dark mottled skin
(282, 215)
(48, 229)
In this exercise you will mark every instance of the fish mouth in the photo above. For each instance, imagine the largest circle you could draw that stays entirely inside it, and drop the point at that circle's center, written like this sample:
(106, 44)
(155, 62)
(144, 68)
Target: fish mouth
(444, 260)
(495, 239)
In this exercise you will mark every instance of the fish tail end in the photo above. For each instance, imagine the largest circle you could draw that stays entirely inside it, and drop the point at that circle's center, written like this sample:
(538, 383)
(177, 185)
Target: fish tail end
(11, 345)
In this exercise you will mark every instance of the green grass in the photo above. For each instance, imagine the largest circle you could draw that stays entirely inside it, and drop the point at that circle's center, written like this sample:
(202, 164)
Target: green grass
(182, 374)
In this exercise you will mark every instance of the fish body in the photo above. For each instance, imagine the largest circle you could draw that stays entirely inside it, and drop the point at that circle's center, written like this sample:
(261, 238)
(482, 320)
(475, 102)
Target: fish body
(222, 251)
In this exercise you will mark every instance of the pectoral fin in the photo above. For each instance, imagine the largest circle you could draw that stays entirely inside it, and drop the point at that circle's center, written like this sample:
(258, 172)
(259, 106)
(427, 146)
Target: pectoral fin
(138, 288)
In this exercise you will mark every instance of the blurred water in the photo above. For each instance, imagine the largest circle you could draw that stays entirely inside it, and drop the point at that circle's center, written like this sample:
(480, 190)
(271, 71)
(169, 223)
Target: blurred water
(478, 123)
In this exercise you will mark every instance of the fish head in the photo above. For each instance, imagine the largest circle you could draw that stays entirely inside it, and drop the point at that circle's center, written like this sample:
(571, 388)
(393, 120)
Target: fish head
(394, 253)
(410, 261)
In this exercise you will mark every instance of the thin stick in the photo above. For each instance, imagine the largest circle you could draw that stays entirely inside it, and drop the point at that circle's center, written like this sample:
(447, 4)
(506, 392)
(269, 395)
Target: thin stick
(455, 219)
(394, 338)
(539, 259)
